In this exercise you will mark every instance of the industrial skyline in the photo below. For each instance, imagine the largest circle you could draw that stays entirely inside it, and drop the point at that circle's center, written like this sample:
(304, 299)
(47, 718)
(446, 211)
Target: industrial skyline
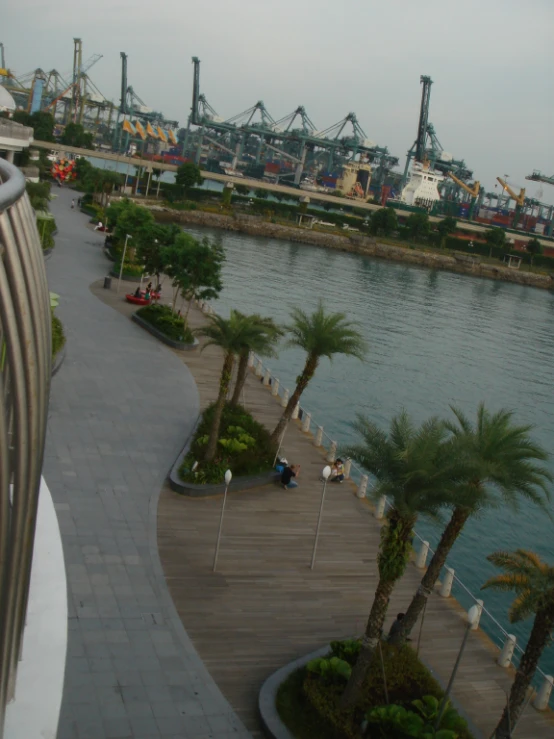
(492, 101)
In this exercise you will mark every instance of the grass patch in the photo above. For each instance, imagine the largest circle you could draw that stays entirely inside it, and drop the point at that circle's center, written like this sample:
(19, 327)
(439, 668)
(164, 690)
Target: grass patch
(169, 323)
(244, 446)
(58, 336)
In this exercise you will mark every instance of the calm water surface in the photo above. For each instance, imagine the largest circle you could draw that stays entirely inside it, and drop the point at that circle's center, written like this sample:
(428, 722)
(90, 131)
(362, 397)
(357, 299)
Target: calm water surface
(436, 339)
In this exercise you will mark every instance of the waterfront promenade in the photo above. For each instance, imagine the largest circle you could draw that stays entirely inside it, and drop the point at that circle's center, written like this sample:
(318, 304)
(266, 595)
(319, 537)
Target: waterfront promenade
(264, 607)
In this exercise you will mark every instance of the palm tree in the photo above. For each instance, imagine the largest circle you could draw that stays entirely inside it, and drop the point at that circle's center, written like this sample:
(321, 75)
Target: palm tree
(320, 334)
(413, 468)
(533, 582)
(227, 333)
(501, 468)
(261, 339)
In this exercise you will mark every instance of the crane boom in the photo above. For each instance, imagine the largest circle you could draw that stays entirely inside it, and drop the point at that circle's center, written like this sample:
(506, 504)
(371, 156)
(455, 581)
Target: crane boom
(473, 191)
(536, 176)
(519, 199)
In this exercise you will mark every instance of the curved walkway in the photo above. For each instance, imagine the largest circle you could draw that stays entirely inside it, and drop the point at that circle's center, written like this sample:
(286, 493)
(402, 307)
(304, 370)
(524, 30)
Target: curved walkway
(121, 406)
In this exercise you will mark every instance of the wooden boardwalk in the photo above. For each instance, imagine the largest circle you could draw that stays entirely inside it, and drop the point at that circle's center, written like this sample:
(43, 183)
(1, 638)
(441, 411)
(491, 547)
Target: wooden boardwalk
(264, 607)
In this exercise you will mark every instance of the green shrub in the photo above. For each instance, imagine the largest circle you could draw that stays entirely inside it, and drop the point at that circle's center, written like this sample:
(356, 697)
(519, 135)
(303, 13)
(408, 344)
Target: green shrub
(58, 336)
(244, 447)
(169, 323)
(129, 269)
(297, 713)
(46, 229)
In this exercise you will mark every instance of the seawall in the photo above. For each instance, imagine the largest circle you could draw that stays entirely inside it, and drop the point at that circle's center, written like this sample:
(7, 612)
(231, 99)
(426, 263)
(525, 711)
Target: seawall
(355, 243)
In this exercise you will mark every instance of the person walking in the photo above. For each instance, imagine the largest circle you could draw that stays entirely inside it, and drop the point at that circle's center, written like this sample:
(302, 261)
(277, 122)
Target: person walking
(72, 203)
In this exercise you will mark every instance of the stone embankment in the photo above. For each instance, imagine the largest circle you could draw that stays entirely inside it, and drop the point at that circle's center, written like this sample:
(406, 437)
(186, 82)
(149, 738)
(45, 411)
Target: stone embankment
(354, 243)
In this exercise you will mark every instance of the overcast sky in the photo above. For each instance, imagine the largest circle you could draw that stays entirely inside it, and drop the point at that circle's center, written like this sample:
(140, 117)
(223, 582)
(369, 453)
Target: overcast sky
(492, 101)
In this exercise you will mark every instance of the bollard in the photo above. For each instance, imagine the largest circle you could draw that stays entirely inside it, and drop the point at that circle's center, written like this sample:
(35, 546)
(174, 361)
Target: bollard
(275, 387)
(319, 436)
(446, 586)
(479, 605)
(295, 412)
(285, 398)
(421, 559)
(362, 487)
(505, 656)
(259, 368)
(306, 422)
(267, 378)
(332, 452)
(347, 467)
(251, 356)
(543, 696)
(380, 508)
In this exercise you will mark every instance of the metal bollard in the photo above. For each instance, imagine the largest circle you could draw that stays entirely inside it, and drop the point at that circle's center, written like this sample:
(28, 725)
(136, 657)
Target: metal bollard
(479, 605)
(446, 587)
(267, 378)
(275, 387)
(505, 656)
(332, 452)
(362, 487)
(251, 357)
(380, 508)
(319, 436)
(259, 368)
(421, 559)
(295, 412)
(543, 696)
(285, 398)
(347, 468)
(306, 422)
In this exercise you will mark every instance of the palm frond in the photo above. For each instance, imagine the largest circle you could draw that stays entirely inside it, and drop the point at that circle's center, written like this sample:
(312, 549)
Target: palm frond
(324, 334)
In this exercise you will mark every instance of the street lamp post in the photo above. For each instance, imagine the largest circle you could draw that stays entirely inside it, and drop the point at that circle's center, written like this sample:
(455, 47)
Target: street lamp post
(127, 237)
(325, 474)
(228, 478)
(472, 618)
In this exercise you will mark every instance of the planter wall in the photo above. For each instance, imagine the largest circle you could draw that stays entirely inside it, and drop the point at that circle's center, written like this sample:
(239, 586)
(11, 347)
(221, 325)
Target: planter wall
(162, 337)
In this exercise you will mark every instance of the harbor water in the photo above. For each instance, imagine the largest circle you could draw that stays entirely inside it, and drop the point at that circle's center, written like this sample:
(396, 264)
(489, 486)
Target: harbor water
(436, 339)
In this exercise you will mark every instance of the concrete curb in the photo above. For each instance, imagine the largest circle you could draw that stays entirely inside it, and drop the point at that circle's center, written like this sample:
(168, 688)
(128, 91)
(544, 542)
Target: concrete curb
(162, 337)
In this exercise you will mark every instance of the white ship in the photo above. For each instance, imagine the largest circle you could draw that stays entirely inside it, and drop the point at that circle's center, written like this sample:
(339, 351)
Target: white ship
(422, 188)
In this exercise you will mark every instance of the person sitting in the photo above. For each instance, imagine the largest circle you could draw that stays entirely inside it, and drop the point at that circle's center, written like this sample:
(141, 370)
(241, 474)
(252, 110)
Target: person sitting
(137, 293)
(397, 625)
(287, 474)
(149, 287)
(337, 471)
(147, 294)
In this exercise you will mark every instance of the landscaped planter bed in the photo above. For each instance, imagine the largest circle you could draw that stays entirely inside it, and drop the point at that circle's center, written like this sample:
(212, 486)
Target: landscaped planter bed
(162, 337)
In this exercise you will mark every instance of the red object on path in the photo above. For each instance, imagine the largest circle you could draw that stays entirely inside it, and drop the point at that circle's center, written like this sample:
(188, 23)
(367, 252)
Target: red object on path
(137, 301)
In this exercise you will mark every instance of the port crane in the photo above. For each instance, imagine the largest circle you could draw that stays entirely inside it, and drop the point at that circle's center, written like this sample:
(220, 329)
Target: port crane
(472, 191)
(519, 199)
(539, 177)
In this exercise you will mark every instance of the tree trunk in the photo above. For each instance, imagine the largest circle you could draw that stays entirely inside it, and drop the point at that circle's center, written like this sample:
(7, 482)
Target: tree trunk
(540, 637)
(224, 381)
(307, 374)
(241, 378)
(448, 538)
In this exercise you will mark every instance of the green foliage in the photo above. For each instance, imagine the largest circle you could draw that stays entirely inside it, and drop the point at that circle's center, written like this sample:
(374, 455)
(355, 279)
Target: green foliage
(242, 189)
(418, 226)
(75, 135)
(348, 649)
(297, 713)
(330, 669)
(261, 194)
(496, 237)
(194, 266)
(129, 268)
(445, 227)
(39, 194)
(41, 122)
(58, 336)
(129, 218)
(323, 334)
(46, 228)
(187, 176)
(170, 324)
(236, 425)
(383, 221)
(400, 722)
(150, 245)
(534, 247)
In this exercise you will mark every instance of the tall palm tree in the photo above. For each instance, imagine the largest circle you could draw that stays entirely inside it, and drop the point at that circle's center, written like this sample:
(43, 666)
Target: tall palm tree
(227, 333)
(501, 468)
(533, 582)
(414, 469)
(261, 339)
(320, 334)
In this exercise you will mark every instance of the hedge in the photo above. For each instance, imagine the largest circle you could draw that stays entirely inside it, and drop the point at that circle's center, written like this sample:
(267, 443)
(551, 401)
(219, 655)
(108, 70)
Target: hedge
(46, 230)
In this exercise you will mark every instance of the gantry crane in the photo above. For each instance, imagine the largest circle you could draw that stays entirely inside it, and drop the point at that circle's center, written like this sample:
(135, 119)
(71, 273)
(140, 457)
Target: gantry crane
(539, 177)
(473, 191)
(519, 199)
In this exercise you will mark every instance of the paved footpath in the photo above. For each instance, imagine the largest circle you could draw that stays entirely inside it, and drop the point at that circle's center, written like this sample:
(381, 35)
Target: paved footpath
(121, 407)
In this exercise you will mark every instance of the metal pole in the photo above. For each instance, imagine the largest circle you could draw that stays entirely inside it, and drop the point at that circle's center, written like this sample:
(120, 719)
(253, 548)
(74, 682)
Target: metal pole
(122, 261)
(220, 527)
(280, 443)
(319, 521)
(452, 677)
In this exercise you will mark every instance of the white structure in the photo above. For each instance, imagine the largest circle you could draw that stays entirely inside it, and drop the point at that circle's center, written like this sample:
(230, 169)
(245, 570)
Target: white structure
(6, 101)
(13, 136)
(422, 188)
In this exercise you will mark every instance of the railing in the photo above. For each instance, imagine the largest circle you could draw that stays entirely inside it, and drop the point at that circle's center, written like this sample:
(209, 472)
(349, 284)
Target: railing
(510, 651)
(25, 367)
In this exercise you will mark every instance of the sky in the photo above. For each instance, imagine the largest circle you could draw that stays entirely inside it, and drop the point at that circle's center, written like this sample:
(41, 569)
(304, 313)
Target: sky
(492, 99)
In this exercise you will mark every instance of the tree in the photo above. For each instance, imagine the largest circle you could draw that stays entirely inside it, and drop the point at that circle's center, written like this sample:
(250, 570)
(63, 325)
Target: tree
(446, 227)
(150, 246)
(418, 226)
(261, 339)
(532, 580)
(261, 194)
(157, 174)
(383, 221)
(39, 194)
(413, 467)
(495, 237)
(320, 334)
(242, 189)
(41, 122)
(500, 461)
(534, 247)
(194, 267)
(75, 135)
(187, 176)
(228, 334)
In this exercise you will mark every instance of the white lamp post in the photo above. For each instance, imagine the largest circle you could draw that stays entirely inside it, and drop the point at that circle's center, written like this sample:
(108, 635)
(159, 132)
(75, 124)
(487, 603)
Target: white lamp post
(228, 478)
(127, 237)
(325, 474)
(472, 618)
